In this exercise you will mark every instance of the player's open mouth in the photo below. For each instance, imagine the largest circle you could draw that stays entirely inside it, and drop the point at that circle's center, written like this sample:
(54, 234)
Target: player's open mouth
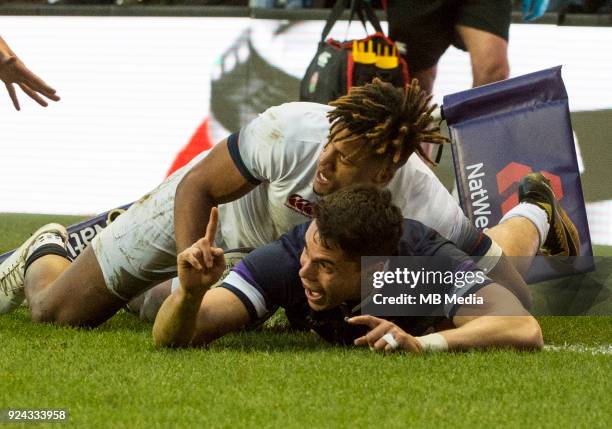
(312, 295)
(321, 178)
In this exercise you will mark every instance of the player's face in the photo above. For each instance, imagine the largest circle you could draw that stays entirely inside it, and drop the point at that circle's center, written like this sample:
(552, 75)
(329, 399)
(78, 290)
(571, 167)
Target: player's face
(342, 164)
(328, 276)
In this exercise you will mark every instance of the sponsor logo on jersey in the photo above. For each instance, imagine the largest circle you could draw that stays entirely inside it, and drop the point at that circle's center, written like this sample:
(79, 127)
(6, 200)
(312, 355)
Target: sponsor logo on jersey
(301, 205)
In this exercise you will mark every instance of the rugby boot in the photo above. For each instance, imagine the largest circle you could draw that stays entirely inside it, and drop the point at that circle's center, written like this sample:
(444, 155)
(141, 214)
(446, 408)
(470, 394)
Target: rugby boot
(562, 238)
(12, 270)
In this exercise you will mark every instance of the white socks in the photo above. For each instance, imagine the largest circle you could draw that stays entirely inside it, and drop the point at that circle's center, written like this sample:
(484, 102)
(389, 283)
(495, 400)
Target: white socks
(48, 243)
(535, 214)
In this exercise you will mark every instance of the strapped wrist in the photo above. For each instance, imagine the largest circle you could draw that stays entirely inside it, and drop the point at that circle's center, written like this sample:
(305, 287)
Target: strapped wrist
(433, 343)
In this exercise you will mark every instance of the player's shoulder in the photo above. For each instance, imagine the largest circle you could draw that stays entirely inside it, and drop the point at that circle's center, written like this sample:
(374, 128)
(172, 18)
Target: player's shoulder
(414, 169)
(294, 241)
(300, 120)
(300, 108)
(440, 253)
(420, 240)
(281, 253)
(409, 181)
(274, 268)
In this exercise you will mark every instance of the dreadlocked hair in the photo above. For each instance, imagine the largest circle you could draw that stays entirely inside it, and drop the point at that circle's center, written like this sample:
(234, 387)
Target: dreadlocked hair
(392, 121)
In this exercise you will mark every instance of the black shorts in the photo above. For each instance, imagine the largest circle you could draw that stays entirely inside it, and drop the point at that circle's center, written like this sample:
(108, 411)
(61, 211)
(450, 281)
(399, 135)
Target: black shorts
(427, 27)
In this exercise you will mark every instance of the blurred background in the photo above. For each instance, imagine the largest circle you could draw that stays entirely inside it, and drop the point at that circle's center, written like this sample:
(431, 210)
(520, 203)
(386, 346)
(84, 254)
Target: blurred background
(146, 82)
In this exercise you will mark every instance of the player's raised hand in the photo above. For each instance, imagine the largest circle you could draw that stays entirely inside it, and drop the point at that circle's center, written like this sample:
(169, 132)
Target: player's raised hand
(381, 328)
(13, 71)
(202, 264)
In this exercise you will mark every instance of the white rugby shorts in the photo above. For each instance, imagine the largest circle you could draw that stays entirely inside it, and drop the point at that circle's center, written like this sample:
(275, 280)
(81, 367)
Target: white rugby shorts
(138, 249)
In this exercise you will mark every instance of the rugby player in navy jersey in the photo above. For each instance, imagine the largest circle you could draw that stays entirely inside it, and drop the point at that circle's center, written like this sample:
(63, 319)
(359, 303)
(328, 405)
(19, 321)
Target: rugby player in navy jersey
(314, 272)
(264, 180)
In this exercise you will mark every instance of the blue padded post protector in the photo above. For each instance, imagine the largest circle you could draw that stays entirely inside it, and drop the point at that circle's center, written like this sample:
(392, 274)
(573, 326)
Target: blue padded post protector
(505, 130)
(81, 234)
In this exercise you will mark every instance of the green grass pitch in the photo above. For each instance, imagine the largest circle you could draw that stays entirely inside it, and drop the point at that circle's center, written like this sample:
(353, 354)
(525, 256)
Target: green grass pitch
(114, 377)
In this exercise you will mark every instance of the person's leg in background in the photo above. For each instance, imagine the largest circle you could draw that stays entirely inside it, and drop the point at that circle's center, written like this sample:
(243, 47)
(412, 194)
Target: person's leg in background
(423, 30)
(482, 28)
(488, 55)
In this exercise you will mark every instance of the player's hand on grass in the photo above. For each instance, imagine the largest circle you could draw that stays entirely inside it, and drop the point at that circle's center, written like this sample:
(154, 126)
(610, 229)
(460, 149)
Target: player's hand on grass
(380, 327)
(202, 264)
(13, 71)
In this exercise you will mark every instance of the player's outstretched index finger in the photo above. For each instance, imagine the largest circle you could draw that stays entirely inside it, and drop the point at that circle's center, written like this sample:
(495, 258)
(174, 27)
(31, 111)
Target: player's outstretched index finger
(370, 321)
(211, 228)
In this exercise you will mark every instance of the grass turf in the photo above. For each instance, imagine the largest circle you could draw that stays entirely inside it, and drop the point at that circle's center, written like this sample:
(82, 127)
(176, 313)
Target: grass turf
(114, 377)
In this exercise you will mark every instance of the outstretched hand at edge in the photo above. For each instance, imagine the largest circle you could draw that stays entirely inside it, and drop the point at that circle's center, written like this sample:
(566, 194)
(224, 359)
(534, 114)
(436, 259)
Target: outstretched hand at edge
(14, 71)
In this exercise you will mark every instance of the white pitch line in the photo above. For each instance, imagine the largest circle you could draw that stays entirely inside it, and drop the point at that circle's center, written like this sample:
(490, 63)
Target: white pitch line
(605, 349)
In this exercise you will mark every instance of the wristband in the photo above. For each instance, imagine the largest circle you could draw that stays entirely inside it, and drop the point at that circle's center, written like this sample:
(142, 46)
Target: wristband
(433, 343)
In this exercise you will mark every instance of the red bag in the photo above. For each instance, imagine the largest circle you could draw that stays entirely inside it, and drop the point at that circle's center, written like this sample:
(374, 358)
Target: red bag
(337, 66)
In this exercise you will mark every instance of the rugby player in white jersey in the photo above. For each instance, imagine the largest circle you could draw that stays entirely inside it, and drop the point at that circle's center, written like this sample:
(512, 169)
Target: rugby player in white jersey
(315, 272)
(264, 180)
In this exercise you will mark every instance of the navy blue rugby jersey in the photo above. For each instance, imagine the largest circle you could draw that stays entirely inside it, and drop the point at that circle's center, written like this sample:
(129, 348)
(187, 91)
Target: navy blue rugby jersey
(267, 278)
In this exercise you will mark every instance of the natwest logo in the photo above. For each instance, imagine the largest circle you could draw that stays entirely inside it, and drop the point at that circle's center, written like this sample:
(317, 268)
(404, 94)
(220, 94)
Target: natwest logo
(508, 180)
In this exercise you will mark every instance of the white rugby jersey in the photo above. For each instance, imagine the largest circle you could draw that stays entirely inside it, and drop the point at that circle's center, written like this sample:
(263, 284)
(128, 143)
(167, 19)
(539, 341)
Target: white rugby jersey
(279, 150)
